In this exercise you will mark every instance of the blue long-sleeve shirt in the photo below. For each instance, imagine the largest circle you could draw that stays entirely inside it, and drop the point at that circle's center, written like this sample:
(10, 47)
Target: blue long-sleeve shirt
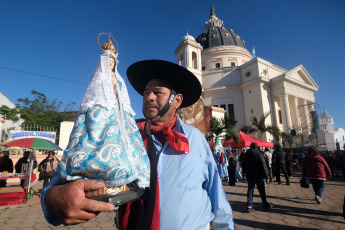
(190, 190)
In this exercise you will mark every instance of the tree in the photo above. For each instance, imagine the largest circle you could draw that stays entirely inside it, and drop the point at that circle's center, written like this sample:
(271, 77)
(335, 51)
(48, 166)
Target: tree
(224, 127)
(40, 112)
(259, 127)
(286, 138)
(8, 113)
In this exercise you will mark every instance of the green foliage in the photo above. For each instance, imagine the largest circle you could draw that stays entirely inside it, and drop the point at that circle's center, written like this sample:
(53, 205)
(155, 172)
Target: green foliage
(287, 138)
(40, 112)
(9, 113)
(259, 127)
(224, 126)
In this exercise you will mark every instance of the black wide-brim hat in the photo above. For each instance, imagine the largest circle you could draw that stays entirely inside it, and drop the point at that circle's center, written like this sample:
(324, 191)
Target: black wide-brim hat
(182, 80)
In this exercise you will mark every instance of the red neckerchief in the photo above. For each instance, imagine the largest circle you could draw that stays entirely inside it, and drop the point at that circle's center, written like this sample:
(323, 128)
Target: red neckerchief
(129, 213)
(174, 138)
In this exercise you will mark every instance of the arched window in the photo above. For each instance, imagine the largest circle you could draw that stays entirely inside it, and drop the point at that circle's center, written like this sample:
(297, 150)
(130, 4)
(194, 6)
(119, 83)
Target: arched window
(181, 60)
(194, 60)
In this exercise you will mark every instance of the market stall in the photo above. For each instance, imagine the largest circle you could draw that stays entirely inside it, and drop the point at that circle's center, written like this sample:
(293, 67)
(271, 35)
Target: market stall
(16, 192)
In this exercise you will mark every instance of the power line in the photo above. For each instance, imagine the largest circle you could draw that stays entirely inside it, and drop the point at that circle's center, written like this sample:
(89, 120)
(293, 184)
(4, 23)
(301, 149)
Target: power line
(46, 76)
(41, 75)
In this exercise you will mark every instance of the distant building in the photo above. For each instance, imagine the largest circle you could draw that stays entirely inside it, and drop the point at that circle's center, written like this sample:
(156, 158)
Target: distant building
(6, 125)
(329, 138)
(339, 136)
(244, 85)
(326, 122)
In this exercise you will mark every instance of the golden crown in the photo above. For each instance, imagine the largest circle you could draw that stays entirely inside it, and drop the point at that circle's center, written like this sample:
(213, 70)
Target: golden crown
(109, 44)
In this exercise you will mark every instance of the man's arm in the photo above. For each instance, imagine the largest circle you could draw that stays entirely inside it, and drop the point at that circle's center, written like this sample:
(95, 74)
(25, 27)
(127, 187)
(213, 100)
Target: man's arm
(223, 218)
(67, 204)
(221, 209)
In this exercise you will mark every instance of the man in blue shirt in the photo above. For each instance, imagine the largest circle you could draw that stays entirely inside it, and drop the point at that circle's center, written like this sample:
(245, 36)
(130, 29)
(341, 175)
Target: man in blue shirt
(188, 193)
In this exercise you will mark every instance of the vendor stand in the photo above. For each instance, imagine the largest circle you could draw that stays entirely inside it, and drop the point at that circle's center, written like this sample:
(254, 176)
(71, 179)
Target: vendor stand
(15, 194)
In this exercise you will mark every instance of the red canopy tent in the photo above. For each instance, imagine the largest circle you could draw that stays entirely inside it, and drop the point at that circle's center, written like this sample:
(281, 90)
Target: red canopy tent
(245, 141)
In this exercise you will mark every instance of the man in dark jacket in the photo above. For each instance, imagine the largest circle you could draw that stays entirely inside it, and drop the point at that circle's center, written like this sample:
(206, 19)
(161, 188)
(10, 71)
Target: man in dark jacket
(24, 160)
(279, 161)
(256, 172)
(6, 165)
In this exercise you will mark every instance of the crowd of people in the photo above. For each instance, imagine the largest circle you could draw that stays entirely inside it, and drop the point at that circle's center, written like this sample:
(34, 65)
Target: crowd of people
(259, 166)
(182, 166)
(46, 168)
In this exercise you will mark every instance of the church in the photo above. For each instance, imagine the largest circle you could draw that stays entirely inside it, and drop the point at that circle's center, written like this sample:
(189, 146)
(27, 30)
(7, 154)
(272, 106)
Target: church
(244, 85)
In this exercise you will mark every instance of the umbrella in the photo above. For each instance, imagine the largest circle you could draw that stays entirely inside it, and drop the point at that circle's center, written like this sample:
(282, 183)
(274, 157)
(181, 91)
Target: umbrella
(32, 143)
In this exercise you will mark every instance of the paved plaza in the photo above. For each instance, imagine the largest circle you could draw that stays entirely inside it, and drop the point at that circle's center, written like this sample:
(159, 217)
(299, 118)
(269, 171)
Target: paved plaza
(294, 208)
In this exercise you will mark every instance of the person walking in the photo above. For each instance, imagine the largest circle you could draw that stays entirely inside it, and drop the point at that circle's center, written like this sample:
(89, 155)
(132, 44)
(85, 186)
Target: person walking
(240, 159)
(316, 169)
(257, 174)
(288, 163)
(231, 168)
(279, 157)
(269, 157)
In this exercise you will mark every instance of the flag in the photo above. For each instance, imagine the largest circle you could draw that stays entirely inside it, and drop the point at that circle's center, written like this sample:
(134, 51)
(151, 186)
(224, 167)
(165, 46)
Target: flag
(254, 52)
(218, 145)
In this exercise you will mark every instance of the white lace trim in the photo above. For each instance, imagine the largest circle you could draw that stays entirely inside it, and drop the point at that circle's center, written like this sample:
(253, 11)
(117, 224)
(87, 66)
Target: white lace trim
(100, 90)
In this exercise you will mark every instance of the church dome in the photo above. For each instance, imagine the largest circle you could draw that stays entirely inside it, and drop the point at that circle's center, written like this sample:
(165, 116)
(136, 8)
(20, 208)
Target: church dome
(188, 38)
(215, 34)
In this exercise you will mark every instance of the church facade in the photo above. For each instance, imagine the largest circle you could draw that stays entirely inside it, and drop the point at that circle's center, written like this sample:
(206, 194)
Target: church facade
(244, 85)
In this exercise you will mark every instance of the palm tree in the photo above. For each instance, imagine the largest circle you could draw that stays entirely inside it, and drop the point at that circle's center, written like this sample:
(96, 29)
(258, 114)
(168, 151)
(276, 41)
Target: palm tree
(259, 127)
(286, 138)
(224, 127)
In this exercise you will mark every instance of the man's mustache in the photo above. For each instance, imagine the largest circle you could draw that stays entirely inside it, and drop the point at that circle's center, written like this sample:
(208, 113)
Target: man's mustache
(151, 105)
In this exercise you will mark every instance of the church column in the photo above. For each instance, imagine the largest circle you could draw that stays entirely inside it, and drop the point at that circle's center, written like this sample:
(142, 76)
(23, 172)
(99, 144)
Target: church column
(284, 100)
(306, 116)
(187, 57)
(275, 112)
(312, 106)
(199, 59)
(297, 116)
(1, 130)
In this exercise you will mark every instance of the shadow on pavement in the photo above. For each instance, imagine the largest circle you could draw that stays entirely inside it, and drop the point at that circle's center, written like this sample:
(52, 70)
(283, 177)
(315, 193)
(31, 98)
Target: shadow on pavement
(295, 212)
(261, 225)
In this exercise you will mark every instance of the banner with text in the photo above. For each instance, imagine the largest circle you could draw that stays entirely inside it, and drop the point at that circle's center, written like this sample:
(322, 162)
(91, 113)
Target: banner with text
(32, 134)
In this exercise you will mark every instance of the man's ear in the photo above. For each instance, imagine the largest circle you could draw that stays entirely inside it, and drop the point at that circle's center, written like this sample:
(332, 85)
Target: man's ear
(178, 101)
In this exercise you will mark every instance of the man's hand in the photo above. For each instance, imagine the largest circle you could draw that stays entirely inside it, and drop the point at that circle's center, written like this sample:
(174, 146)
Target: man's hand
(69, 204)
(267, 181)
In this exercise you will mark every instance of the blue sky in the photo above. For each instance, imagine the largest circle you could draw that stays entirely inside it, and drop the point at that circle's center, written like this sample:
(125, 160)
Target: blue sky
(59, 39)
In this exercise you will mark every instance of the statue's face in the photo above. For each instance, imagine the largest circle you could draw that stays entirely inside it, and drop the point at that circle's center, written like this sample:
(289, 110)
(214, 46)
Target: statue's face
(112, 63)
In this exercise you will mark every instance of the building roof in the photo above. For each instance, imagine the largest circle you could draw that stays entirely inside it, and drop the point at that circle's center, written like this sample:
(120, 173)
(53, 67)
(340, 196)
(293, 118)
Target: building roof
(215, 34)
(325, 114)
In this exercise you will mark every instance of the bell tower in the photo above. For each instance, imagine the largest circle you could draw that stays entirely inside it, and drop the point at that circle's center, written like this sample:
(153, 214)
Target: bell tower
(188, 55)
